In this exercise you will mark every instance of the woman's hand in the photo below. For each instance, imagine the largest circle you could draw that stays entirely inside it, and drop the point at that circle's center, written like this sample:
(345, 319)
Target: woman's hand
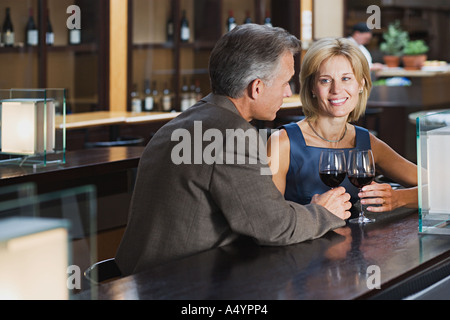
(380, 194)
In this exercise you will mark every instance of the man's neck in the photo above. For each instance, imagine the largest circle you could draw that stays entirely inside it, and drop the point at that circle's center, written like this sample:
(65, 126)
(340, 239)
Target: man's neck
(243, 107)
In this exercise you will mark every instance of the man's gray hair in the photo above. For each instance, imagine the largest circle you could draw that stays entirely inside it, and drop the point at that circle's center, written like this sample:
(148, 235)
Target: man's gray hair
(247, 53)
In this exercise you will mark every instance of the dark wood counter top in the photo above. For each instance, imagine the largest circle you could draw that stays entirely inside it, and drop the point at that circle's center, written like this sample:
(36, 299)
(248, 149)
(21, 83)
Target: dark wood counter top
(332, 267)
(111, 170)
(79, 164)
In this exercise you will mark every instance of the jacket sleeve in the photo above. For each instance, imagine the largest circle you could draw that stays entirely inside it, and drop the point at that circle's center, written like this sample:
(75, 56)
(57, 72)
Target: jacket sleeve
(254, 207)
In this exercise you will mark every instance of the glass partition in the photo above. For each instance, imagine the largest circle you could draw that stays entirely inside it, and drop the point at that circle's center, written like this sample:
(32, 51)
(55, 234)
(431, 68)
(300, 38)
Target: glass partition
(433, 158)
(77, 207)
(14, 193)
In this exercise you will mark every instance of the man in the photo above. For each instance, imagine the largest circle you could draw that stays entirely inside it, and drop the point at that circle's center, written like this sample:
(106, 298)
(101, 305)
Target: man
(361, 35)
(198, 188)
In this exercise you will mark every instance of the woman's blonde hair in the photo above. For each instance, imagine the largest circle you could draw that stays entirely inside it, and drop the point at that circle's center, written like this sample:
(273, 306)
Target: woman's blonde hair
(322, 50)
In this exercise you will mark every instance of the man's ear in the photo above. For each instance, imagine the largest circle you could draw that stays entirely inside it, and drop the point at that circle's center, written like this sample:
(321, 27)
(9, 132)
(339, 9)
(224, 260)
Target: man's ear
(255, 88)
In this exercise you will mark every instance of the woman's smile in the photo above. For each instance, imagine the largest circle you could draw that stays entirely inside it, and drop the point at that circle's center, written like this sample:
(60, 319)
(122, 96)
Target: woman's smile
(338, 102)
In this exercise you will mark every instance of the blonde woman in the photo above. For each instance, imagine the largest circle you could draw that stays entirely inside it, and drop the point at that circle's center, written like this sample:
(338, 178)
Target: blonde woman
(335, 85)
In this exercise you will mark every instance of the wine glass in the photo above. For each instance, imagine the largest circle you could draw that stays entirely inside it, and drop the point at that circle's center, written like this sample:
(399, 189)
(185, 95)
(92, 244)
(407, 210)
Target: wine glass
(332, 167)
(361, 172)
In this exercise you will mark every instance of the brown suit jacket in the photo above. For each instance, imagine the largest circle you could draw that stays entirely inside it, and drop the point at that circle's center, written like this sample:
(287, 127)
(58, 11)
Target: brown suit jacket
(182, 209)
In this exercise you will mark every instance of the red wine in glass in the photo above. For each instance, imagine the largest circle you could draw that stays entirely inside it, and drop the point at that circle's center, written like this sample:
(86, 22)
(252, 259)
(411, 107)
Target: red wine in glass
(332, 167)
(361, 172)
(332, 178)
(360, 181)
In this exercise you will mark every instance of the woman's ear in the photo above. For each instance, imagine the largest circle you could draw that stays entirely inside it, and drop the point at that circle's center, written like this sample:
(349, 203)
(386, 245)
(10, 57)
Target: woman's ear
(361, 88)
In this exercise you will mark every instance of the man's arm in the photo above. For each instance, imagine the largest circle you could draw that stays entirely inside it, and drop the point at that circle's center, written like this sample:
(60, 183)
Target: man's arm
(254, 207)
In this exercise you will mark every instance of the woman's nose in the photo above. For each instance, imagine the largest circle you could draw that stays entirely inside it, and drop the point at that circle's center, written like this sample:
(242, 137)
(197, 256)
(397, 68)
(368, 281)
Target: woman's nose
(336, 86)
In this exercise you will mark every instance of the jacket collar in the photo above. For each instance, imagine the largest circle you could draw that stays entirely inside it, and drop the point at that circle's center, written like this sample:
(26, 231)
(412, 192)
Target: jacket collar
(221, 101)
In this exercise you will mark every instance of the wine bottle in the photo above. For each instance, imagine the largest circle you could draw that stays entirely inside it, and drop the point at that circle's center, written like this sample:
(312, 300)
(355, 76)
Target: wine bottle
(74, 36)
(231, 21)
(49, 35)
(185, 96)
(169, 29)
(166, 99)
(184, 25)
(156, 98)
(198, 91)
(148, 97)
(136, 103)
(268, 20)
(8, 30)
(192, 94)
(32, 35)
(247, 17)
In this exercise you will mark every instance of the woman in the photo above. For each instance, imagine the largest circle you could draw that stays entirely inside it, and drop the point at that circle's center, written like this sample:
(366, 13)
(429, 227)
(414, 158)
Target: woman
(335, 85)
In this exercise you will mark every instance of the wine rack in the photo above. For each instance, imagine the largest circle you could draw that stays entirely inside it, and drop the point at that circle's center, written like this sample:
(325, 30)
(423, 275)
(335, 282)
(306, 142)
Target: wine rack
(84, 70)
(79, 68)
(173, 63)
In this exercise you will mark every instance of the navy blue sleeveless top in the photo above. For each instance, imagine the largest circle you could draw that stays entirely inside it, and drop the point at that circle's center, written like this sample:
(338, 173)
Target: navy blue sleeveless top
(302, 179)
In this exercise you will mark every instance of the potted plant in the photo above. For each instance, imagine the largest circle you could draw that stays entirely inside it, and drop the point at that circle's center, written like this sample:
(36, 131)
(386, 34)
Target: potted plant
(395, 40)
(414, 54)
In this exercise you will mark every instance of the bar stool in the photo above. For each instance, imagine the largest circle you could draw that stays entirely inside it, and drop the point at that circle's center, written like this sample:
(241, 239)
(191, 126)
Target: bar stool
(103, 271)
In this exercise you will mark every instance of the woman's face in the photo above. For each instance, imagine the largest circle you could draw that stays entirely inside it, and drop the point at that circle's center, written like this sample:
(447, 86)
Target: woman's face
(336, 88)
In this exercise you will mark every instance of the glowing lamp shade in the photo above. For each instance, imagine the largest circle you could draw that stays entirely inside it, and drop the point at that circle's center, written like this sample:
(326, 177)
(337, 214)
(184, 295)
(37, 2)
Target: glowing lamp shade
(438, 170)
(28, 126)
(34, 258)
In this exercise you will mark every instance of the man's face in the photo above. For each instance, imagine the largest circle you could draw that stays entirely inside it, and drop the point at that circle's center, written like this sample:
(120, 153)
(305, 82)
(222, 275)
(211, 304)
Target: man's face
(362, 37)
(271, 97)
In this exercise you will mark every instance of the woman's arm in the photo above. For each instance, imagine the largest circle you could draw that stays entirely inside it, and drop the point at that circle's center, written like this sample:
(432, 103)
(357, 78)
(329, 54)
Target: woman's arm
(278, 152)
(394, 166)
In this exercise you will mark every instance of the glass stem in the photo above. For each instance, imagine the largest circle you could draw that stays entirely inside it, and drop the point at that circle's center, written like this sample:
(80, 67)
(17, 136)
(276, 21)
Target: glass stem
(361, 213)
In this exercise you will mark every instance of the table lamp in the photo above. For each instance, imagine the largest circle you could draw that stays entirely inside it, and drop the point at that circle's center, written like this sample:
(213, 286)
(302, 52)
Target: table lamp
(28, 126)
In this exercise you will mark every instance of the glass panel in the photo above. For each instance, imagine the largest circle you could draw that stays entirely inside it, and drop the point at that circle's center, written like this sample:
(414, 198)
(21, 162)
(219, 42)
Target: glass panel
(14, 193)
(78, 207)
(32, 127)
(433, 154)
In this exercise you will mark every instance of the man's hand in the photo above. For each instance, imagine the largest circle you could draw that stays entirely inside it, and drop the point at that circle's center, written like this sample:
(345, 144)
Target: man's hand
(336, 201)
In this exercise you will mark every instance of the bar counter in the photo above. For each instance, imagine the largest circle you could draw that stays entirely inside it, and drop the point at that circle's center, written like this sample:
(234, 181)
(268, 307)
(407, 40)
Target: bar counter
(79, 164)
(111, 170)
(334, 266)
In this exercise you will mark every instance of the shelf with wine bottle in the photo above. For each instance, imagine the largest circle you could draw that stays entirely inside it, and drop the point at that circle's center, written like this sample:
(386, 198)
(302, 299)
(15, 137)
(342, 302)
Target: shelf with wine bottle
(68, 61)
(162, 49)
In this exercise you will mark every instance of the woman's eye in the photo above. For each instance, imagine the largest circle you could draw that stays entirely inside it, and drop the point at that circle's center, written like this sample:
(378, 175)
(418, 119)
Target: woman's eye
(324, 81)
(346, 78)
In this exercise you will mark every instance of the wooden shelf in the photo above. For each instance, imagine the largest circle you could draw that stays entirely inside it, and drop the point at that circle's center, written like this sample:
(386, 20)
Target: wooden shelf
(161, 45)
(19, 49)
(81, 48)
